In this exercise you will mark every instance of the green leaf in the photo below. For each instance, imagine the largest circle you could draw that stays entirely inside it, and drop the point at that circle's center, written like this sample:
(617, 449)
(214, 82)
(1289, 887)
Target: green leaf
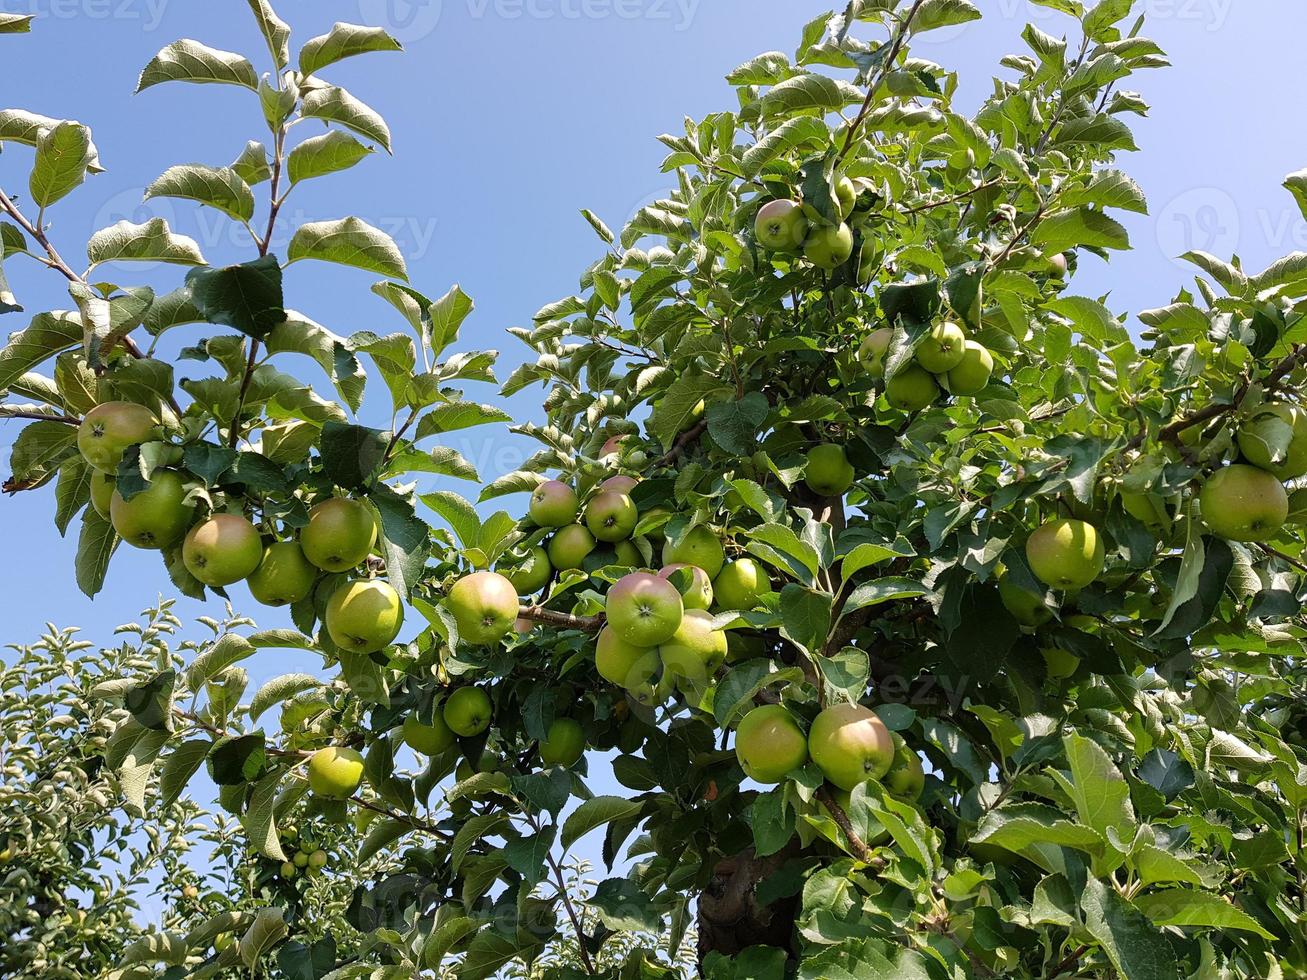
(623, 907)
(238, 759)
(1107, 189)
(343, 41)
(882, 590)
(934, 14)
(152, 241)
(191, 61)
(268, 929)
(1135, 947)
(405, 540)
(280, 689)
(183, 763)
(247, 296)
(220, 188)
(252, 165)
(735, 426)
(47, 335)
(1097, 789)
(447, 315)
(806, 616)
(39, 450)
(64, 154)
(772, 822)
(1077, 227)
(332, 104)
(274, 30)
(95, 546)
(299, 335)
(329, 153)
(73, 490)
(351, 453)
(16, 23)
(802, 94)
(596, 812)
(228, 649)
(802, 131)
(1099, 20)
(1185, 907)
(349, 241)
(458, 513)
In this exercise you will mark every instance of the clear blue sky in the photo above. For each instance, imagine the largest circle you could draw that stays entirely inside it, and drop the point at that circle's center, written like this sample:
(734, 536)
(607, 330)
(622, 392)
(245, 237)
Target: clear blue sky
(510, 115)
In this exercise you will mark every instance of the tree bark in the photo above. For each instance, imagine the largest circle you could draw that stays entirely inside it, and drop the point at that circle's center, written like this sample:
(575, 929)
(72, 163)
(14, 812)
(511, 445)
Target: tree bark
(730, 917)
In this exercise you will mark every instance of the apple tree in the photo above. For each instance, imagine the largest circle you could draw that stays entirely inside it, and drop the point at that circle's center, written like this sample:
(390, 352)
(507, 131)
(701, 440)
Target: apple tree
(931, 623)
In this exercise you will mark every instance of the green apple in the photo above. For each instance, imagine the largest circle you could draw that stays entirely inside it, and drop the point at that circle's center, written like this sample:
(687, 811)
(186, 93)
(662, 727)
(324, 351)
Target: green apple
(318, 860)
(284, 575)
(1060, 663)
(611, 516)
(364, 616)
(973, 372)
(657, 534)
(628, 554)
(569, 547)
(850, 744)
(529, 572)
(1058, 265)
(468, 711)
(941, 350)
(300, 860)
(643, 609)
(615, 659)
(740, 584)
(620, 484)
(335, 772)
(648, 683)
(781, 226)
(846, 196)
(1275, 440)
(1066, 554)
(770, 744)
(693, 583)
(1027, 608)
(829, 247)
(156, 518)
(563, 744)
(906, 777)
(287, 869)
(431, 739)
(110, 429)
(485, 606)
(912, 389)
(340, 534)
(102, 487)
(699, 547)
(553, 504)
(1244, 503)
(224, 549)
(828, 472)
(611, 447)
(694, 652)
(486, 762)
(874, 350)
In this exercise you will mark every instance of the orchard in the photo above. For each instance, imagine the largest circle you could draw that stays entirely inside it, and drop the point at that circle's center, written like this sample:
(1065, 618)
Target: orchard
(913, 617)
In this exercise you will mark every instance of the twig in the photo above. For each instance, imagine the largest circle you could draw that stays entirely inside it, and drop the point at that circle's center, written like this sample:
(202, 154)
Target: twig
(561, 884)
(896, 46)
(539, 614)
(6, 413)
(683, 442)
(863, 852)
(1276, 553)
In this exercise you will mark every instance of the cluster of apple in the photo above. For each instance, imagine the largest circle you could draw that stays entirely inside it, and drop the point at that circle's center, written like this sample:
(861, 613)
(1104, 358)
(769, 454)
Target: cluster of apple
(946, 359)
(848, 742)
(305, 854)
(361, 616)
(791, 226)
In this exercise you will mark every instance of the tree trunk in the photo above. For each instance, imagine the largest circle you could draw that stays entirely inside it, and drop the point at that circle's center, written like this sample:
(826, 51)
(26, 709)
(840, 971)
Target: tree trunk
(730, 918)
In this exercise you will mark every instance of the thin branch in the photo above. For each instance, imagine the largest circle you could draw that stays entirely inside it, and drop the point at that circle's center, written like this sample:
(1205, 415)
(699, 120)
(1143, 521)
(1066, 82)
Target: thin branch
(863, 852)
(561, 884)
(955, 199)
(682, 443)
(1276, 553)
(6, 413)
(896, 46)
(539, 614)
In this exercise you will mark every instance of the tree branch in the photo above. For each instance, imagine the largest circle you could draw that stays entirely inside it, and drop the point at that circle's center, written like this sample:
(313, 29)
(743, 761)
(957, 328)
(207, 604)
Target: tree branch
(895, 47)
(683, 442)
(862, 851)
(539, 614)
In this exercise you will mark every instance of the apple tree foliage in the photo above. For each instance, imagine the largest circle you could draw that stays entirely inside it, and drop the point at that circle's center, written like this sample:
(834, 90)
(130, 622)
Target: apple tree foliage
(1117, 777)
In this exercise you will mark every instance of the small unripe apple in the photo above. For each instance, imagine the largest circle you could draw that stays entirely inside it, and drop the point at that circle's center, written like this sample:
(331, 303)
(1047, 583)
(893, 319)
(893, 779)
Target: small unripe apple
(846, 196)
(699, 547)
(300, 860)
(616, 659)
(693, 583)
(1275, 440)
(287, 869)
(553, 504)
(1244, 503)
(781, 226)
(318, 859)
(564, 743)
(528, 572)
(108, 430)
(694, 652)
(620, 484)
(907, 777)
(156, 518)
(485, 605)
(874, 350)
(335, 772)
(431, 739)
(850, 744)
(1066, 554)
(829, 247)
(628, 554)
(468, 711)
(364, 616)
(828, 472)
(942, 349)
(973, 372)
(570, 546)
(223, 549)
(611, 516)
(643, 609)
(770, 744)
(102, 487)
(340, 534)
(1027, 607)
(284, 575)
(912, 389)
(740, 585)
(611, 447)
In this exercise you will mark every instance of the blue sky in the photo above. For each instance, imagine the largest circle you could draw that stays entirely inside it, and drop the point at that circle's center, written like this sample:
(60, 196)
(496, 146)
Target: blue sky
(510, 115)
